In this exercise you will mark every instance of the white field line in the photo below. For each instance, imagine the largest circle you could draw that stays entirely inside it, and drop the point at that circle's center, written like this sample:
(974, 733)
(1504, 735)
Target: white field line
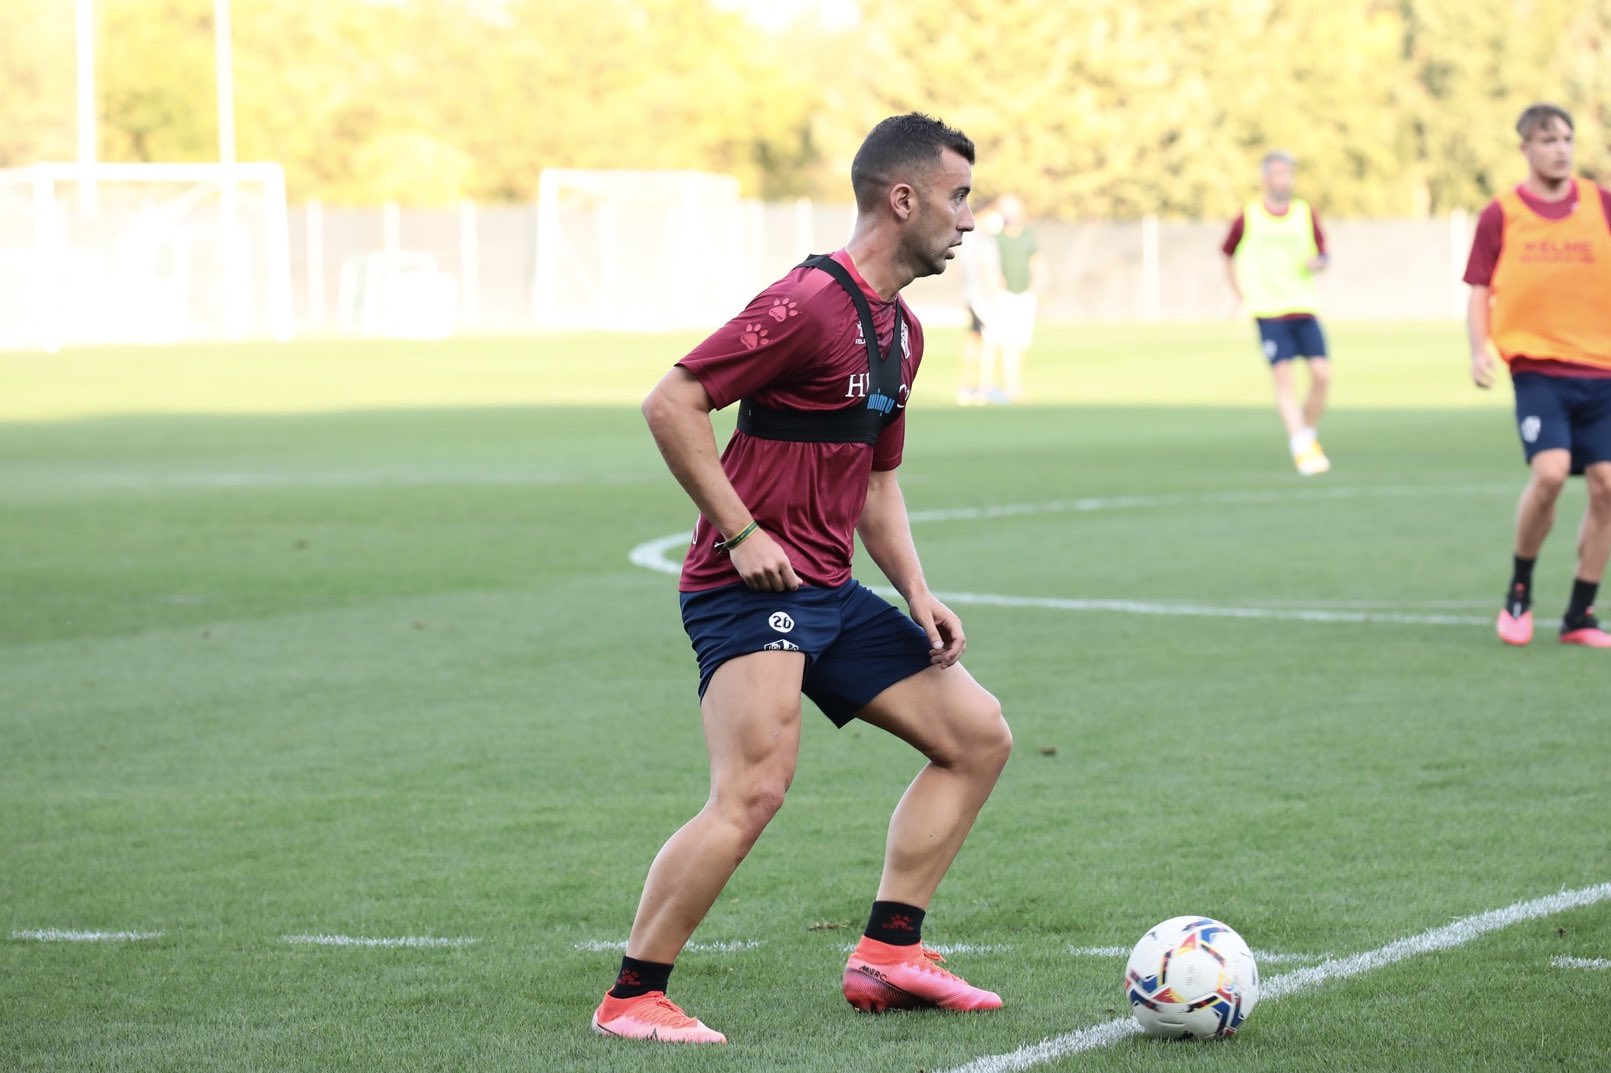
(1581, 963)
(52, 935)
(1283, 495)
(1149, 607)
(726, 946)
(651, 555)
(355, 941)
(655, 555)
(1263, 957)
(1460, 932)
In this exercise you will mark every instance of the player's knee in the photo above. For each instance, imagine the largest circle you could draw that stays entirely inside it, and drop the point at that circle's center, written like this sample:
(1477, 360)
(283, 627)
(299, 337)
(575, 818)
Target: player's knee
(1598, 480)
(982, 742)
(997, 745)
(750, 806)
(1549, 477)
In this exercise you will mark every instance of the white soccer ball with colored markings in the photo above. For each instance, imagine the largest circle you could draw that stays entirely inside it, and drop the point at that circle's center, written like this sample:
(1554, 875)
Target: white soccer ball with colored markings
(1191, 978)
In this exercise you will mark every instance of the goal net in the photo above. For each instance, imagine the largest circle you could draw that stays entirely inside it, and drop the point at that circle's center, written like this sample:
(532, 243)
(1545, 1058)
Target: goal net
(639, 250)
(143, 253)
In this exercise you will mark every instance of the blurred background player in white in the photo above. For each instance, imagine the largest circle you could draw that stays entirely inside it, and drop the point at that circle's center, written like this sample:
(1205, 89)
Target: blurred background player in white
(1023, 278)
(979, 261)
(1274, 248)
(1540, 277)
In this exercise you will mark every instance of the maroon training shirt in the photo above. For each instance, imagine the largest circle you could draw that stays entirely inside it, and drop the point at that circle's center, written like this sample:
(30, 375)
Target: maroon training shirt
(798, 346)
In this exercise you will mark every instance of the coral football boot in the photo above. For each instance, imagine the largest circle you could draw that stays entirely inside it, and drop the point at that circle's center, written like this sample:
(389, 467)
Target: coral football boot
(881, 977)
(1515, 625)
(652, 1017)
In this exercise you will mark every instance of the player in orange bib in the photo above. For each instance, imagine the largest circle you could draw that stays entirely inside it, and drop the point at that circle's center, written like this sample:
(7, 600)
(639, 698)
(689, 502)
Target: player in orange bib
(1540, 276)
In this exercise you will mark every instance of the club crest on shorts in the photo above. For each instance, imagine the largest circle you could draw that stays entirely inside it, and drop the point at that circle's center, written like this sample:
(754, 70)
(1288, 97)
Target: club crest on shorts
(780, 645)
(781, 621)
(1530, 427)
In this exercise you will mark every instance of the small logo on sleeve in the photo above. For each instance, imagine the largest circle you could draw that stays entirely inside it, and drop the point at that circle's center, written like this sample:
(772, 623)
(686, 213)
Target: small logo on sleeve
(753, 336)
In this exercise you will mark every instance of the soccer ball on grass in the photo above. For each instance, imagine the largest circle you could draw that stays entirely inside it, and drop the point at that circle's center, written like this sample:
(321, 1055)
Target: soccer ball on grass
(1191, 978)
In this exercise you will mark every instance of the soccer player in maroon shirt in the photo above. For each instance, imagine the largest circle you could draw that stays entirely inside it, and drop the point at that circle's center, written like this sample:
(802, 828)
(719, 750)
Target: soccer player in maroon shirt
(769, 602)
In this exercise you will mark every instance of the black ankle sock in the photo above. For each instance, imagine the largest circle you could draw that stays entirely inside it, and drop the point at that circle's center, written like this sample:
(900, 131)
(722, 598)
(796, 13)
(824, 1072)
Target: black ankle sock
(1522, 574)
(639, 978)
(895, 923)
(1583, 593)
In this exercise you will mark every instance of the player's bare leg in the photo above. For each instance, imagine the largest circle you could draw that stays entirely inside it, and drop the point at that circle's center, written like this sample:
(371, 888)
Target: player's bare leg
(1306, 453)
(751, 713)
(1314, 406)
(971, 389)
(1594, 538)
(1580, 626)
(1535, 513)
(957, 725)
(1286, 398)
(1535, 516)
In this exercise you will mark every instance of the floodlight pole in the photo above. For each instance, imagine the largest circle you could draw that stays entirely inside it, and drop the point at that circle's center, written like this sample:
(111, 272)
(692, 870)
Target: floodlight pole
(86, 103)
(224, 79)
(224, 60)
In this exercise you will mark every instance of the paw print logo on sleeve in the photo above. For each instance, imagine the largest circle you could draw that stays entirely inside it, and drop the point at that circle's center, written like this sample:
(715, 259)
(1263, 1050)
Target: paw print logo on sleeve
(753, 336)
(782, 309)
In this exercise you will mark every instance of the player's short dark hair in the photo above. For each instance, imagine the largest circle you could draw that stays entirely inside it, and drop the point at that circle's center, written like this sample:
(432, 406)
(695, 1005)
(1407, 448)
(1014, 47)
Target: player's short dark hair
(899, 146)
(1277, 156)
(1539, 115)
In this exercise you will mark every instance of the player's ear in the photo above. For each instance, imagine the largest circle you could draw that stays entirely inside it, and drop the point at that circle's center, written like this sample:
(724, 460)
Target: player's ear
(902, 200)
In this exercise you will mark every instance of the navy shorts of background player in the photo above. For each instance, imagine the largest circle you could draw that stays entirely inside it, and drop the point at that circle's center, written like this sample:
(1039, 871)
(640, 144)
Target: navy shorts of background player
(1569, 413)
(1285, 338)
(856, 644)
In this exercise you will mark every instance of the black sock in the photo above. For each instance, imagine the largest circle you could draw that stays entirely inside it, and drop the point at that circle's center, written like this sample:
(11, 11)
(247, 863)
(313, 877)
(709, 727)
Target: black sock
(895, 923)
(1583, 593)
(639, 978)
(1523, 573)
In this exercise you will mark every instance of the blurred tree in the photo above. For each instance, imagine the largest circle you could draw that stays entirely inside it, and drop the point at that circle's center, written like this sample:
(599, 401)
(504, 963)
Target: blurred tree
(37, 72)
(1088, 108)
(1471, 67)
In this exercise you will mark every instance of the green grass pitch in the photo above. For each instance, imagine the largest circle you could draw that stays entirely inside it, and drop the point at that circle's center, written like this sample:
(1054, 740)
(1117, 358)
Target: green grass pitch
(343, 640)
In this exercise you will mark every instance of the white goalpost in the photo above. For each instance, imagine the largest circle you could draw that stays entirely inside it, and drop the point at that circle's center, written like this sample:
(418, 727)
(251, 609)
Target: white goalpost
(639, 250)
(143, 253)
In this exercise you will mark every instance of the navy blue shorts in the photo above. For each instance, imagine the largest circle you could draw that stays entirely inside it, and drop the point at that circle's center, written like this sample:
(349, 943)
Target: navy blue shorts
(1567, 413)
(1288, 338)
(856, 644)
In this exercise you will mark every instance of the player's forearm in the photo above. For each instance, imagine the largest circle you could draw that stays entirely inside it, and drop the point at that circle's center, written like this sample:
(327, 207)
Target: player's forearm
(1230, 276)
(886, 533)
(1478, 330)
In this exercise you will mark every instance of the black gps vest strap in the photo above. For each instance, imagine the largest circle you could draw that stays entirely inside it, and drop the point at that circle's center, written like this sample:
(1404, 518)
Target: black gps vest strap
(858, 422)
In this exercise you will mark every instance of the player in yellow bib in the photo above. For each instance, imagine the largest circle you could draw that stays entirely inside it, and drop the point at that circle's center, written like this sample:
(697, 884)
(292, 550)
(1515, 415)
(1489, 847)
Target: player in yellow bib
(1274, 248)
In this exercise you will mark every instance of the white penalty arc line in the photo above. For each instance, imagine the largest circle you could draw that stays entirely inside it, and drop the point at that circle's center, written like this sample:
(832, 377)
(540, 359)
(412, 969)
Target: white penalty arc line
(654, 555)
(1450, 935)
(1581, 963)
(1189, 499)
